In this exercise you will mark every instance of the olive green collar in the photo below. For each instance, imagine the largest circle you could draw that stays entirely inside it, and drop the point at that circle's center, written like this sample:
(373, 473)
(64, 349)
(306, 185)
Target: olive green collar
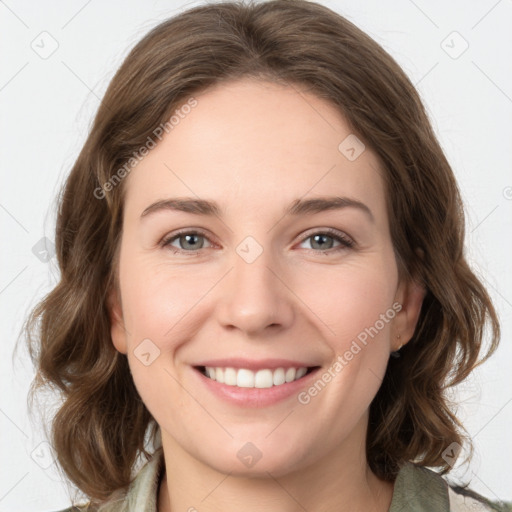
(416, 489)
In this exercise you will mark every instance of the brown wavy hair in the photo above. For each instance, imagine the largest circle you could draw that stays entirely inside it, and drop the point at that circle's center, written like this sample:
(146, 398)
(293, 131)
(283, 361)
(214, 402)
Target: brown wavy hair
(102, 426)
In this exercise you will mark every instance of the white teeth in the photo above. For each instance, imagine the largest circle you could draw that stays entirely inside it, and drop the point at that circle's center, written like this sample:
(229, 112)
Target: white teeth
(300, 373)
(278, 377)
(244, 378)
(230, 376)
(290, 374)
(263, 379)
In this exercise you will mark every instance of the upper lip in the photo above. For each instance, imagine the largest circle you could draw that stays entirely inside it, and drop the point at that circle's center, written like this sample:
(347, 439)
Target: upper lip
(252, 364)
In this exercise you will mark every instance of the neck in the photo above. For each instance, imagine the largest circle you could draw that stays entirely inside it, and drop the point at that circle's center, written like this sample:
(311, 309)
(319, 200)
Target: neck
(341, 481)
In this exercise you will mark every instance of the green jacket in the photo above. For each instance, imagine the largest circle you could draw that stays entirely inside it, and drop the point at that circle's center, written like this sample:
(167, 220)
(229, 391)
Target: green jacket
(416, 490)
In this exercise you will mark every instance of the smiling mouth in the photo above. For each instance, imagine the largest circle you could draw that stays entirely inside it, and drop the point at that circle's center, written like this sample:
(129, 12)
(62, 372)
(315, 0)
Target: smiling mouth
(264, 378)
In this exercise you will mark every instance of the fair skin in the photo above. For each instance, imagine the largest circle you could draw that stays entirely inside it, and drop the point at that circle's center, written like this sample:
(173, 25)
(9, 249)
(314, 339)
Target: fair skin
(254, 148)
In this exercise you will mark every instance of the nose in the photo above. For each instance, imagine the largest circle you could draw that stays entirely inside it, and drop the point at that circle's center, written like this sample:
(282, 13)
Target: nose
(255, 297)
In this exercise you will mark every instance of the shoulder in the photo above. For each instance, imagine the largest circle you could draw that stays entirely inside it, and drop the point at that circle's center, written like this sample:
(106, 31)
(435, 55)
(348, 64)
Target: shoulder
(141, 494)
(421, 489)
(466, 500)
(82, 508)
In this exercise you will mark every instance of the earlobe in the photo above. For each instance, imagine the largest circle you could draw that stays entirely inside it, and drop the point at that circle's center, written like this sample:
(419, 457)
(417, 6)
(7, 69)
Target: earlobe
(117, 329)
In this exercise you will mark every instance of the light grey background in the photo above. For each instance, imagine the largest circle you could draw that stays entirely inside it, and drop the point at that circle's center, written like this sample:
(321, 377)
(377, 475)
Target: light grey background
(47, 103)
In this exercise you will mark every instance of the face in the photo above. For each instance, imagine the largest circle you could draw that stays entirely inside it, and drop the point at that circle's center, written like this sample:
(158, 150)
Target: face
(278, 256)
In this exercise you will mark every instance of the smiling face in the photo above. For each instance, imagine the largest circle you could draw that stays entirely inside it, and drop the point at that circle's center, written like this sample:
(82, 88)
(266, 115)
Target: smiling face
(245, 272)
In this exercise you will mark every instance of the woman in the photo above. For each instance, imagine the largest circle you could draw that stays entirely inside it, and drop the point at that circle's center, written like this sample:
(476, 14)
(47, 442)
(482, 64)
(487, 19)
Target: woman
(263, 289)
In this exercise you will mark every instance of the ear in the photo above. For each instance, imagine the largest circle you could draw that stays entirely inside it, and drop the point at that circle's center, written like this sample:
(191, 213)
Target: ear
(117, 329)
(410, 295)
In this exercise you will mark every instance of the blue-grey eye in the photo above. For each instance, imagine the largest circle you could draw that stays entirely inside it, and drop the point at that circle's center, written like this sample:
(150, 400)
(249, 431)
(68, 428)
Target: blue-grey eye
(187, 242)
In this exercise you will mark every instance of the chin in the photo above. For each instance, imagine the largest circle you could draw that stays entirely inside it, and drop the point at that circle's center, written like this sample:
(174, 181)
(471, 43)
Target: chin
(255, 459)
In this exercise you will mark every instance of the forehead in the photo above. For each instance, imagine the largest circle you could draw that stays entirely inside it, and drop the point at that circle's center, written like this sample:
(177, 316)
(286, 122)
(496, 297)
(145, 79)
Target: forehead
(257, 144)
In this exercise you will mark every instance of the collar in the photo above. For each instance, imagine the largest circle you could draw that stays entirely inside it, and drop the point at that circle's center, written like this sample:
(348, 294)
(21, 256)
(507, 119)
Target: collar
(416, 489)
(419, 489)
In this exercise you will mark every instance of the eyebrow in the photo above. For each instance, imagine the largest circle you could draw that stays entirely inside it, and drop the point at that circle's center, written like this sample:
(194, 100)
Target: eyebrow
(296, 208)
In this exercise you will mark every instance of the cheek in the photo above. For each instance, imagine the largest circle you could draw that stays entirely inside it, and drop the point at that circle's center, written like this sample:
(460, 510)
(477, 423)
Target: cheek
(356, 305)
(362, 318)
(351, 299)
(157, 300)
(158, 305)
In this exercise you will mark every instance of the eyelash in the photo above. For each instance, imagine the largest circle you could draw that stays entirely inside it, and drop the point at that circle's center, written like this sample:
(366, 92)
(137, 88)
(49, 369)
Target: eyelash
(345, 242)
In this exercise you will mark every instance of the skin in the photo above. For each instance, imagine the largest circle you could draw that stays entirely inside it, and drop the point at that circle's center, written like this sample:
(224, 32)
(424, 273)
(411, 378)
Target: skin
(254, 147)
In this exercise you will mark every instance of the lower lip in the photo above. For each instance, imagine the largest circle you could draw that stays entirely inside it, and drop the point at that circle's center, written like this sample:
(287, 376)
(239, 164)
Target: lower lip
(256, 397)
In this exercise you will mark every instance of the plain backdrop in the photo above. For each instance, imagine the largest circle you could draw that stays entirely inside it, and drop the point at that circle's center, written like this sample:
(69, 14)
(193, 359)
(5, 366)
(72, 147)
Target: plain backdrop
(56, 60)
